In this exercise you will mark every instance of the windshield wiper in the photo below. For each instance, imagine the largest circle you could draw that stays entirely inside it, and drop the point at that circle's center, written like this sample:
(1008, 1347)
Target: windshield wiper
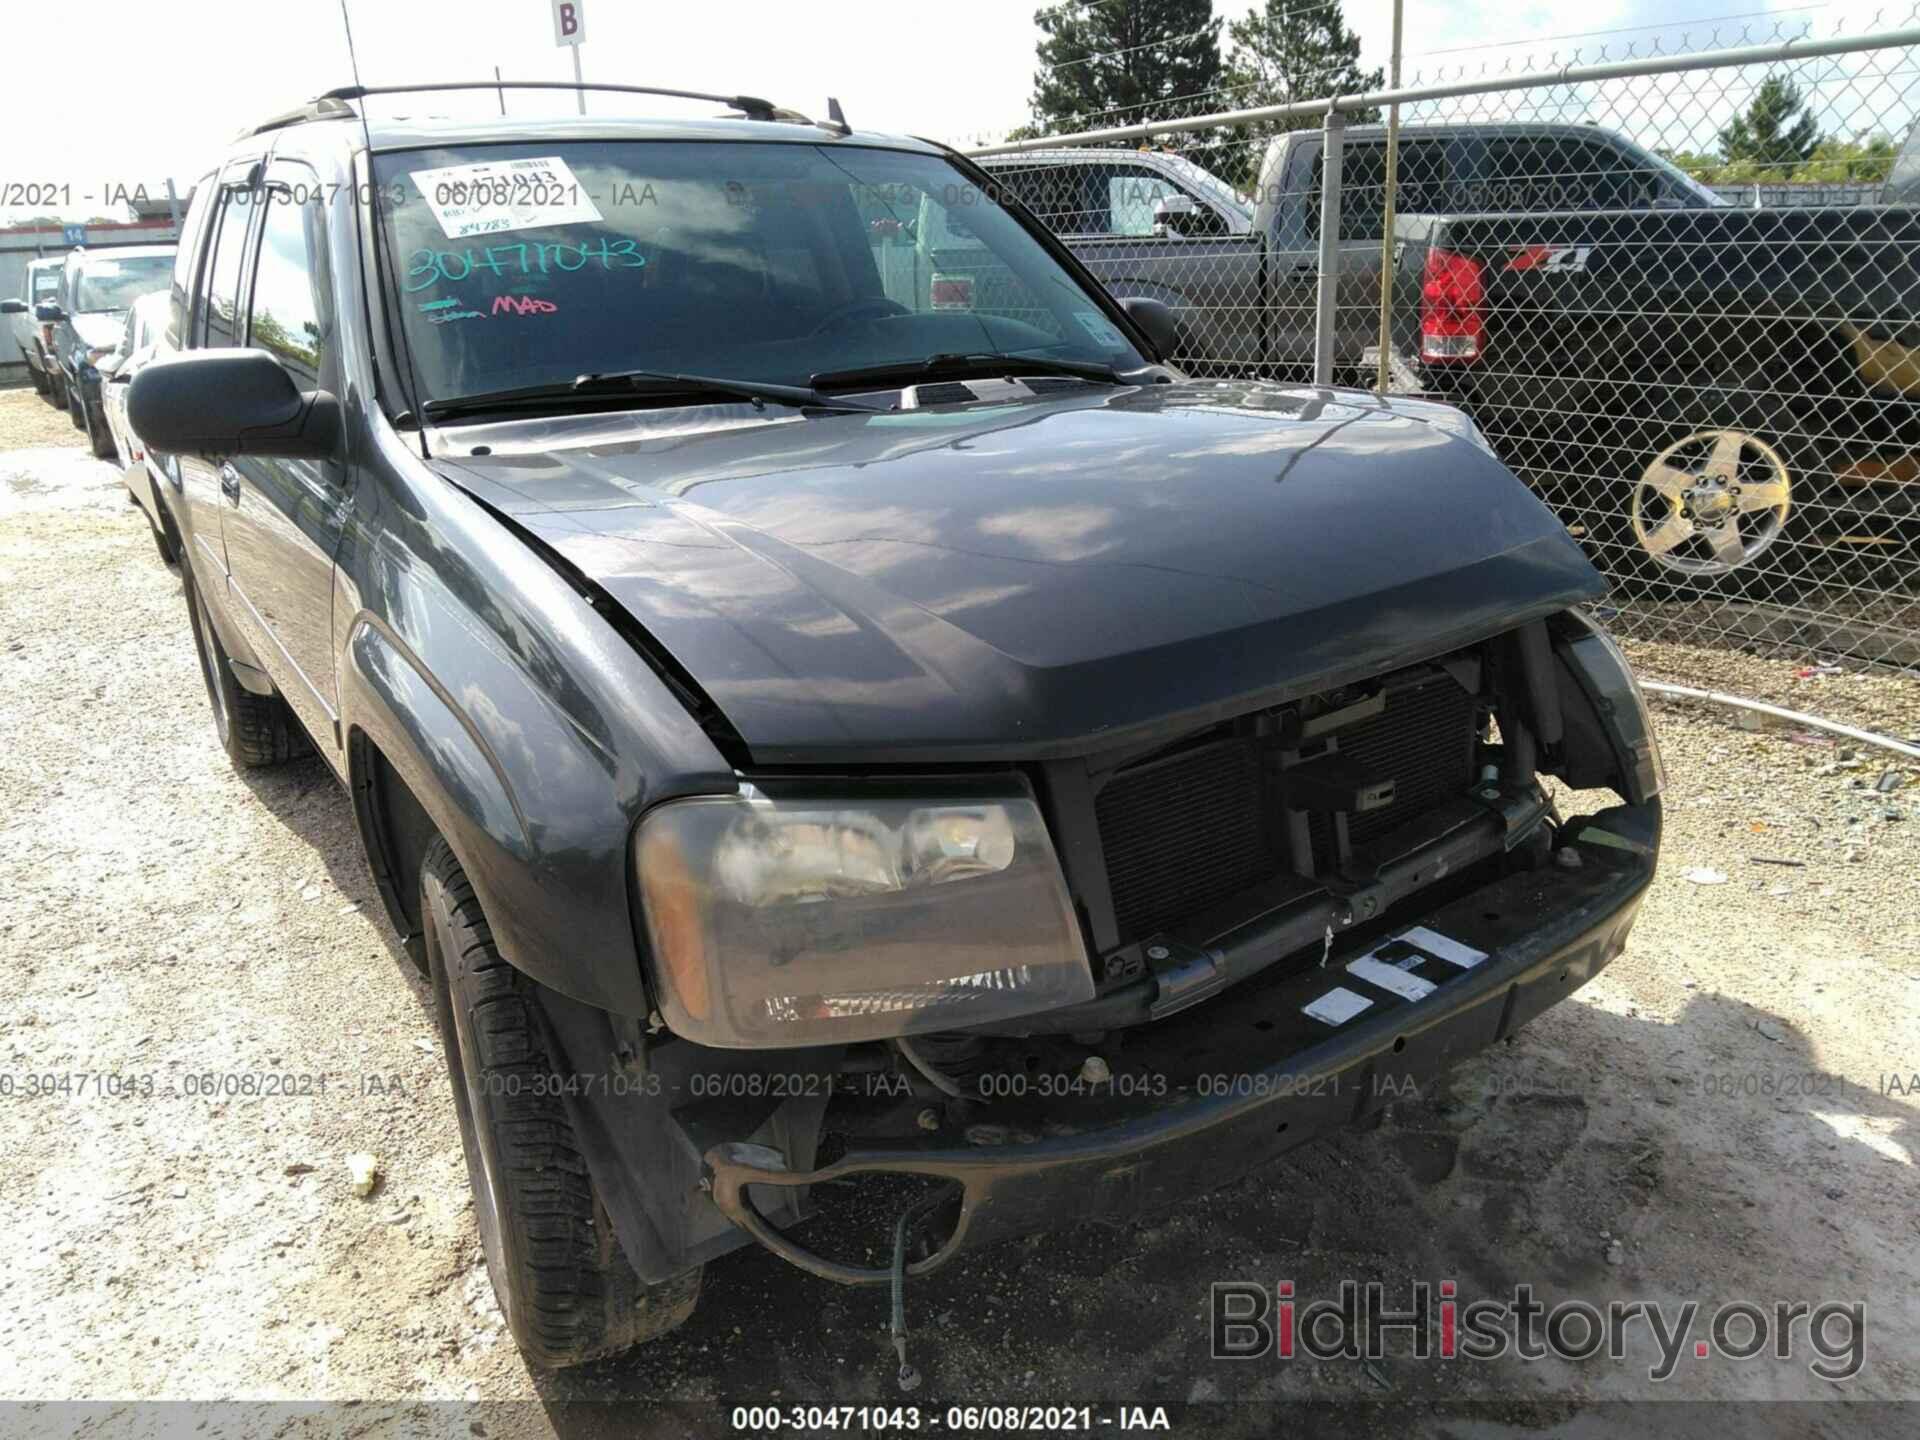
(639, 385)
(757, 390)
(951, 360)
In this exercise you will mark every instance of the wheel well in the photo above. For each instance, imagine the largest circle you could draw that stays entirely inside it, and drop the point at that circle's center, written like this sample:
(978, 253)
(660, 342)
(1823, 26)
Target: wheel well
(396, 832)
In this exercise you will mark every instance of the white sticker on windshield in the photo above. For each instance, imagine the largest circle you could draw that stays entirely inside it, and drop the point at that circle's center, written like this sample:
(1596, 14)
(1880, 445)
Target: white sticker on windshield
(1101, 329)
(501, 195)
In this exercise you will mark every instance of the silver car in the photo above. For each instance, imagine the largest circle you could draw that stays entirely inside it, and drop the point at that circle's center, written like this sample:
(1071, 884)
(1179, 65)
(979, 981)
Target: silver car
(146, 328)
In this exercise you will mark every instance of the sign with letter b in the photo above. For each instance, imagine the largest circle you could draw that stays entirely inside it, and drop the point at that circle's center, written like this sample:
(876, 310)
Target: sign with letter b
(569, 22)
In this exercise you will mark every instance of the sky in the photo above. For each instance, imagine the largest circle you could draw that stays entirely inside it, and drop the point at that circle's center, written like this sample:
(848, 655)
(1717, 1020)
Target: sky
(955, 73)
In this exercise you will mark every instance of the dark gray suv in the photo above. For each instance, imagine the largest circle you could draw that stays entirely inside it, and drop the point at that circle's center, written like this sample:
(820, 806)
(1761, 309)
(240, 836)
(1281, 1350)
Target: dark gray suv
(817, 722)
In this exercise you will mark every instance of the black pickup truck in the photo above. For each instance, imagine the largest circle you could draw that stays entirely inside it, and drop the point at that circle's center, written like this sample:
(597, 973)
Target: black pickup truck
(1720, 401)
(808, 733)
(1240, 268)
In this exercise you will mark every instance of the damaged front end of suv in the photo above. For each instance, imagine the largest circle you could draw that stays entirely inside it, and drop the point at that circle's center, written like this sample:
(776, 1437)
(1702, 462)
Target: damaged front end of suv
(1096, 984)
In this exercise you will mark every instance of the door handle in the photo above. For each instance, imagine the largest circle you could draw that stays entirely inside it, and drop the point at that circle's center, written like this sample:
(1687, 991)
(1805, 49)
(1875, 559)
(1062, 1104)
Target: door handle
(230, 483)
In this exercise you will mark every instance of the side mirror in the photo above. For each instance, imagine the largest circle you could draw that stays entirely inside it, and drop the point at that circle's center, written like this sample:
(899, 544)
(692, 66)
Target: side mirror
(1173, 214)
(1156, 319)
(109, 367)
(48, 312)
(13, 307)
(220, 403)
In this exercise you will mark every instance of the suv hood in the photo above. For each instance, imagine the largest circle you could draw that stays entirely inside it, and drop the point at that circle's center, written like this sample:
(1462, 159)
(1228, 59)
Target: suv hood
(1017, 581)
(96, 328)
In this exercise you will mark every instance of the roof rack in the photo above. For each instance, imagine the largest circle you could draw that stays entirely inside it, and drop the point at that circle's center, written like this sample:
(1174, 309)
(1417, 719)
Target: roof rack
(332, 105)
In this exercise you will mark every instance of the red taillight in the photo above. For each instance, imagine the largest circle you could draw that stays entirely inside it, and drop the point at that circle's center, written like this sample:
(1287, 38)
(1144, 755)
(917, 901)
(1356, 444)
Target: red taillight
(1451, 326)
(952, 292)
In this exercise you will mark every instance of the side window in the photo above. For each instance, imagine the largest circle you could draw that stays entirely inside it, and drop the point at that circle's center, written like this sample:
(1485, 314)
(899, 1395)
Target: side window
(1132, 194)
(187, 260)
(1539, 174)
(1056, 194)
(288, 317)
(1421, 185)
(216, 317)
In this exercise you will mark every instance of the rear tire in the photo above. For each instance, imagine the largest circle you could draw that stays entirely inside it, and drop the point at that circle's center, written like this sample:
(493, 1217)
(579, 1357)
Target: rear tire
(254, 730)
(40, 385)
(74, 409)
(558, 1272)
(56, 391)
(1716, 495)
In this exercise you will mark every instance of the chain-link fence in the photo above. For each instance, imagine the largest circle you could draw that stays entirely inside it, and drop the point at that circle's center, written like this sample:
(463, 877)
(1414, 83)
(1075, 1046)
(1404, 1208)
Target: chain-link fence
(1679, 294)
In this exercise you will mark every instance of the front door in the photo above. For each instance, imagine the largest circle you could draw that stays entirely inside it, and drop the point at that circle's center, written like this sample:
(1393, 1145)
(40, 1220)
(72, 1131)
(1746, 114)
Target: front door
(284, 517)
(214, 323)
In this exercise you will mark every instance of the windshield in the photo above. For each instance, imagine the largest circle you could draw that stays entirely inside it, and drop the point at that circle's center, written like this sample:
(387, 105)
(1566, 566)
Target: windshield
(116, 284)
(523, 265)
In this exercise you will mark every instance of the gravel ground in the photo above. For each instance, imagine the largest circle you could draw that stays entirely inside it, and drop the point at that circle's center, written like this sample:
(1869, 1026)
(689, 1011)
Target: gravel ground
(1727, 1113)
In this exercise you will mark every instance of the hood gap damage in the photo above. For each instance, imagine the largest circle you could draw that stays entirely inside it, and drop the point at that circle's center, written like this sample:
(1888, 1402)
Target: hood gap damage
(686, 689)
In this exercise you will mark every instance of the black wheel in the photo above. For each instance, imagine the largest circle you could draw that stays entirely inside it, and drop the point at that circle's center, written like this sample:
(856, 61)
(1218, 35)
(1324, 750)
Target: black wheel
(1716, 494)
(558, 1272)
(40, 385)
(75, 413)
(57, 390)
(254, 730)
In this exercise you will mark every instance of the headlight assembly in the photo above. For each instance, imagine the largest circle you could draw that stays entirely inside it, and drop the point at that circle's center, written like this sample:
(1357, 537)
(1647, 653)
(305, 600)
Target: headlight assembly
(812, 921)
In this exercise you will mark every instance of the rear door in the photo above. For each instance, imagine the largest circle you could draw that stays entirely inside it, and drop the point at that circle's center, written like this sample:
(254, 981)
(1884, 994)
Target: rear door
(284, 517)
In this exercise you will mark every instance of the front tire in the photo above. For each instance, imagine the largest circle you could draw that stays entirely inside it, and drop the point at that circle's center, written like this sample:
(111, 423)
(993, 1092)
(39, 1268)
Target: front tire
(254, 730)
(74, 412)
(558, 1272)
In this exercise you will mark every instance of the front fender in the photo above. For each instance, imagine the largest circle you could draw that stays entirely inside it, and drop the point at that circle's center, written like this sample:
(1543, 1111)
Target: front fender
(528, 731)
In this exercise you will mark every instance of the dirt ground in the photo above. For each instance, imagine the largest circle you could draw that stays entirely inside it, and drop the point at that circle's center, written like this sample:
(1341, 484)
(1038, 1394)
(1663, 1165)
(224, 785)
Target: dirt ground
(1728, 1113)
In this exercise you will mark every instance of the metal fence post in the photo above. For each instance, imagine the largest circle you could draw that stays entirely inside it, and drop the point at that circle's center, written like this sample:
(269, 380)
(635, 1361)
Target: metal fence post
(1392, 179)
(1327, 293)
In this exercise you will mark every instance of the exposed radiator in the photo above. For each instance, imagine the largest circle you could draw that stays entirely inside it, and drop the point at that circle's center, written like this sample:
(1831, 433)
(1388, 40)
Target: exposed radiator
(1186, 831)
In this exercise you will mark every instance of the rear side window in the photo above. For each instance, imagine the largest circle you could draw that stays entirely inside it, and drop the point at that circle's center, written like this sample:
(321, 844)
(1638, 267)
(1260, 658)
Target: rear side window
(45, 282)
(1423, 185)
(1058, 197)
(186, 261)
(1541, 173)
(217, 311)
(287, 317)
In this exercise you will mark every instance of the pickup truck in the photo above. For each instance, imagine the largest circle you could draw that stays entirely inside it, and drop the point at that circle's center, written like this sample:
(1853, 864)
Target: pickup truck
(810, 734)
(1240, 269)
(42, 283)
(1720, 401)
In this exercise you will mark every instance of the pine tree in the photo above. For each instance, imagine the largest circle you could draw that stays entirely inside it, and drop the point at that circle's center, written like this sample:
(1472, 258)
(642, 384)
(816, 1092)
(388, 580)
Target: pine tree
(1768, 141)
(1114, 62)
(1295, 50)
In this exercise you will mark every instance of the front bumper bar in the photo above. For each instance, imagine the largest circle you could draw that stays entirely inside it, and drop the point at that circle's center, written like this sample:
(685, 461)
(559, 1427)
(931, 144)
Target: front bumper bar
(1556, 931)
